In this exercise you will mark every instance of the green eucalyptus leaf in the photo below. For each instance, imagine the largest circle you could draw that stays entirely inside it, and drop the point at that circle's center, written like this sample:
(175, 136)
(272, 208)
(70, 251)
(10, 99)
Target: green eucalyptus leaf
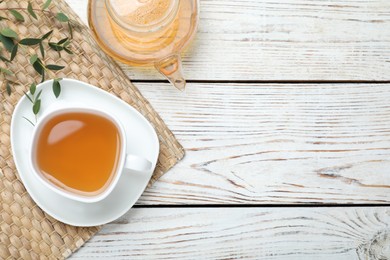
(68, 50)
(28, 120)
(7, 42)
(33, 58)
(4, 59)
(46, 4)
(38, 66)
(28, 97)
(8, 32)
(33, 88)
(62, 17)
(31, 11)
(14, 52)
(66, 44)
(62, 41)
(3, 18)
(18, 16)
(54, 67)
(30, 41)
(8, 88)
(36, 106)
(43, 76)
(42, 50)
(46, 35)
(56, 88)
(5, 71)
(39, 94)
(55, 46)
(70, 30)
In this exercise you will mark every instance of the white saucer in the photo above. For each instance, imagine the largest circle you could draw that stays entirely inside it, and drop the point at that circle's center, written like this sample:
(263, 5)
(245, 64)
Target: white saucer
(141, 137)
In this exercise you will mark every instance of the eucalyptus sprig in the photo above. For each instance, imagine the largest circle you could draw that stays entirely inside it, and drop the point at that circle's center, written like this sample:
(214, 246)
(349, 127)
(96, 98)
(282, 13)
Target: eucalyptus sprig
(61, 45)
(12, 44)
(34, 99)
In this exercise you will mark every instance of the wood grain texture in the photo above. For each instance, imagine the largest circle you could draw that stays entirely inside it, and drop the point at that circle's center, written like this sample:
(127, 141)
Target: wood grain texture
(285, 40)
(270, 143)
(235, 233)
(275, 143)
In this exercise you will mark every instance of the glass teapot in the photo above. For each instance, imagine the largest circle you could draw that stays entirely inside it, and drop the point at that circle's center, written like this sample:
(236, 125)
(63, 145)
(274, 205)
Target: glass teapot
(146, 32)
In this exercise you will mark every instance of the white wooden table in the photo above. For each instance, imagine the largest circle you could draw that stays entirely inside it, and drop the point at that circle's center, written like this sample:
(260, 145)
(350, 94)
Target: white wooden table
(286, 127)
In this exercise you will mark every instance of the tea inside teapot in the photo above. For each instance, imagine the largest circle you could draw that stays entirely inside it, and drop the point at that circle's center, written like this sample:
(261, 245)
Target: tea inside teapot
(146, 32)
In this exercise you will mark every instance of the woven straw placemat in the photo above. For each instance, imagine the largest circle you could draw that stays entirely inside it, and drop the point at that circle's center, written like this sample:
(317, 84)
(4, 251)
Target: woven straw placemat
(26, 231)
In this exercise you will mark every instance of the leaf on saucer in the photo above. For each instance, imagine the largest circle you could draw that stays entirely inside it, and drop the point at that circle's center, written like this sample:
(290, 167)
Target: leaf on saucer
(28, 120)
(28, 97)
(39, 94)
(33, 88)
(36, 106)
(56, 87)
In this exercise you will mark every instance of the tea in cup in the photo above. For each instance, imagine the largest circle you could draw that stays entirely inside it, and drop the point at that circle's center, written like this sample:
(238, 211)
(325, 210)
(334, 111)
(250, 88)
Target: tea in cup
(79, 152)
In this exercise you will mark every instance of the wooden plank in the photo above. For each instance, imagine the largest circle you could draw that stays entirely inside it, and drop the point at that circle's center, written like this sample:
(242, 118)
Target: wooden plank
(275, 143)
(235, 233)
(285, 40)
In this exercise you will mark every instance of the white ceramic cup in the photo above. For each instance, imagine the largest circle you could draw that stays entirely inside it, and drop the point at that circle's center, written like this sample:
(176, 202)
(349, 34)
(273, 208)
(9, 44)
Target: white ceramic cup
(127, 163)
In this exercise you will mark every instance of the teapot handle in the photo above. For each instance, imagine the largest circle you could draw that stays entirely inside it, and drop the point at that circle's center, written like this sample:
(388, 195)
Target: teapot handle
(171, 68)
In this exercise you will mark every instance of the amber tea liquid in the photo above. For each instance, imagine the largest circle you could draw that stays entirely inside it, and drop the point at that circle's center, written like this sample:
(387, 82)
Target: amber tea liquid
(79, 152)
(139, 13)
(140, 32)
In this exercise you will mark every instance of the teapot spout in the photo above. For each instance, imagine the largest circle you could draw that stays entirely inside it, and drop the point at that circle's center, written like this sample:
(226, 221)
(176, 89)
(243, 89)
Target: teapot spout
(171, 68)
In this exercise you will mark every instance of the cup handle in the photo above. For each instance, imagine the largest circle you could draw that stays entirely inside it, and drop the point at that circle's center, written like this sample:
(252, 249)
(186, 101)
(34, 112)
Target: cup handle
(137, 164)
